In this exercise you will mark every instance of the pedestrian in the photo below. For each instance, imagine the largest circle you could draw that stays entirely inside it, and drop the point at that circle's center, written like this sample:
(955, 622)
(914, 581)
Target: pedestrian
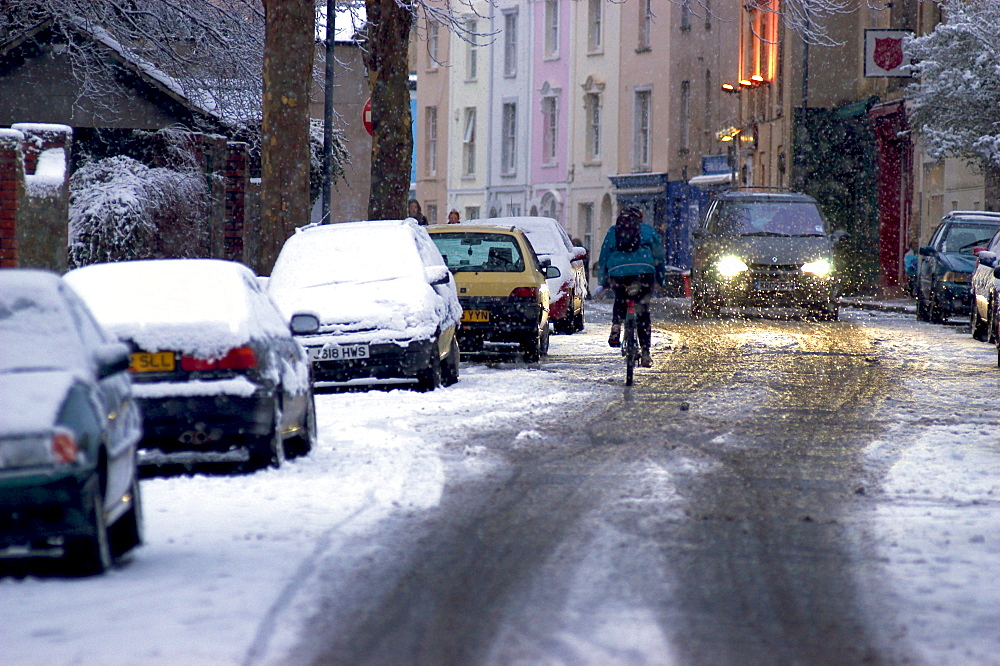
(413, 210)
(910, 261)
(453, 217)
(632, 254)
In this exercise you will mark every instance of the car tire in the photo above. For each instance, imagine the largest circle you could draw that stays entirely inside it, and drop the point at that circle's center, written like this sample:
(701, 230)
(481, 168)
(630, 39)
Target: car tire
(303, 443)
(532, 347)
(578, 320)
(978, 327)
(269, 450)
(566, 325)
(922, 314)
(991, 322)
(934, 314)
(429, 378)
(90, 555)
(127, 532)
(829, 311)
(451, 366)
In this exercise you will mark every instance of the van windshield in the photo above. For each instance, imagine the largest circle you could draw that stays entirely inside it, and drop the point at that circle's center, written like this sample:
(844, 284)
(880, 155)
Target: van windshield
(748, 218)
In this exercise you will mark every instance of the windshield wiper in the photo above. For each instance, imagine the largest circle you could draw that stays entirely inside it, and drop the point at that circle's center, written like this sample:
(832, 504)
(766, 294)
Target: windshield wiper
(765, 233)
(326, 284)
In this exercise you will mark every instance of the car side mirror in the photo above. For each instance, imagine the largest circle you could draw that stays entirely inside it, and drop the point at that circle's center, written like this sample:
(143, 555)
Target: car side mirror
(839, 236)
(304, 323)
(436, 275)
(927, 251)
(112, 358)
(996, 272)
(579, 253)
(552, 272)
(544, 263)
(697, 234)
(987, 258)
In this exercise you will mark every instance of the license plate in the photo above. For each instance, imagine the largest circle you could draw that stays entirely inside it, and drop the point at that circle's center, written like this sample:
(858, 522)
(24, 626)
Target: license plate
(476, 316)
(773, 285)
(339, 352)
(158, 362)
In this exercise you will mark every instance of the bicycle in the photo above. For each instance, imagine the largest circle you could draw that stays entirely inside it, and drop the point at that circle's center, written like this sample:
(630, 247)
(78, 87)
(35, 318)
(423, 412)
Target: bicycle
(630, 339)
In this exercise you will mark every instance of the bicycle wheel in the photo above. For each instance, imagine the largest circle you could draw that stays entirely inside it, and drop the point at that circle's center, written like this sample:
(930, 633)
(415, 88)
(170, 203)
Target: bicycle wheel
(630, 349)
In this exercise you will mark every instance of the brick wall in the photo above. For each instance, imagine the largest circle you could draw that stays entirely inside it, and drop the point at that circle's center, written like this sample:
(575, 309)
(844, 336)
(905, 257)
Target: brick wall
(11, 194)
(43, 218)
(237, 180)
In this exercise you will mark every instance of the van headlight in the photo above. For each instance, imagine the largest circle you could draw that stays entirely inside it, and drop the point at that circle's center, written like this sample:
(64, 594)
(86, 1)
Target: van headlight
(819, 268)
(730, 266)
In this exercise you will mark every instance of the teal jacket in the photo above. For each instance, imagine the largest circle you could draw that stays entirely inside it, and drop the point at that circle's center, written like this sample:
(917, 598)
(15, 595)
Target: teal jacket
(647, 260)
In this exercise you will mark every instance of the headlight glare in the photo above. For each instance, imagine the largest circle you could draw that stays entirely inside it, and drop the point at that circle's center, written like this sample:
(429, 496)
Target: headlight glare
(730, 266)
(819, 268)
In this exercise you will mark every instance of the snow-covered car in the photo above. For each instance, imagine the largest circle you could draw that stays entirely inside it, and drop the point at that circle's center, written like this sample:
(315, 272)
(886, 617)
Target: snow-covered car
(217, 373)
(551, 243)
(984, 292)
(69, 429)
(947, 262)
(383, 305)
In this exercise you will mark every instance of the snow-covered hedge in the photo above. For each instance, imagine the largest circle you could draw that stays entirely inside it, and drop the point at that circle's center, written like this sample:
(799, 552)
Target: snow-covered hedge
(121, 209)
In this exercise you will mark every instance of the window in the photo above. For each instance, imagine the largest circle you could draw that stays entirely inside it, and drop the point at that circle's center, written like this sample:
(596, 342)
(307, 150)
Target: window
(549, 206)
(472, 212)
(433, 43)
(510, 44)
(587, 226)
(645, 24)
(513, 209)
(551, 28)
(640, 133)
(685, 133)
(592, 104)
(550, 126)
(432, 213)
(707, 5)
(469, 143)
(508, 147)
(431, 139)
(595, 15)
(471, 52)
(686, 15)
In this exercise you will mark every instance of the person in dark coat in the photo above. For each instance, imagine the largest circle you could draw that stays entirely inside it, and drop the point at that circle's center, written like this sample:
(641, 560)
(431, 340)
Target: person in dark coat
(413, 210)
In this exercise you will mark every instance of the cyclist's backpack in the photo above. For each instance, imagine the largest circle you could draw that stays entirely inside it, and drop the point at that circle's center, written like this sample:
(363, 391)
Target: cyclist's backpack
(628, 233)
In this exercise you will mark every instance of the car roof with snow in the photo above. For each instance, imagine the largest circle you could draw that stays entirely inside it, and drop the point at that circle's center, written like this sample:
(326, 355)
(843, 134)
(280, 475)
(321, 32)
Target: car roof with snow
(546, 235)
(202, 307)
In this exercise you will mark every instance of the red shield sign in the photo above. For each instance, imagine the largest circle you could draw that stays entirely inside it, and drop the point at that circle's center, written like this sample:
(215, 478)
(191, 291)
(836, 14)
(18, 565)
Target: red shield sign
(888, 53)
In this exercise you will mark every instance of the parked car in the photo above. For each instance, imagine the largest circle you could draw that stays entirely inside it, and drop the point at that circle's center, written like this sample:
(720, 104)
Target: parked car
(983, 291)
(944, 273)
(383, 304)
(215, 368)
(568, 292)
(69, 428)
(757, 248)
(502, 285)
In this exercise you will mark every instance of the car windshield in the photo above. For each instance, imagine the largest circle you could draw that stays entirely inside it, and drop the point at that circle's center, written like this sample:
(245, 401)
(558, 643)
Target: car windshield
(36, 329)
(339, 254)
(480, 252)
(744, 218)
(966, 237)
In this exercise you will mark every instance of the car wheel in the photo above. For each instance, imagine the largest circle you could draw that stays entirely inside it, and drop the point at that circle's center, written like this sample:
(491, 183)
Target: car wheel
(304, 442)
(450, 369)
(429, 378)
(543, 345)
(828, 311)
(578, 319)
(269, 450)
(922, 314)
(977, 326)
(991, 322)
(532, 347)
(934, 314)
(127, 533)
(91, 554)
(566, 325)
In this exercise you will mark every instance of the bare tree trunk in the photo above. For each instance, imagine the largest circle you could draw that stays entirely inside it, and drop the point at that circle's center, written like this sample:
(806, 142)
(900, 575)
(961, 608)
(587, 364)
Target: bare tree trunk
(392, 142)
(288, 61)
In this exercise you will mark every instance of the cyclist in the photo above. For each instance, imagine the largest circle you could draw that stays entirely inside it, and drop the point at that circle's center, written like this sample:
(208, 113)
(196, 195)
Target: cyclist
(632, 253)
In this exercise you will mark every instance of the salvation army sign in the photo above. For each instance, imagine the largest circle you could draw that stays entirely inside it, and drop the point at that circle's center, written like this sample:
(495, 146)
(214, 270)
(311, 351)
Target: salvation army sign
(884, 52)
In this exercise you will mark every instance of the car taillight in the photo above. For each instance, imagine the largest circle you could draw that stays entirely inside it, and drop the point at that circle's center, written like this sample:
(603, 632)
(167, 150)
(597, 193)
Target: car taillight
(64, 448)
(239, 358)
(524, 294)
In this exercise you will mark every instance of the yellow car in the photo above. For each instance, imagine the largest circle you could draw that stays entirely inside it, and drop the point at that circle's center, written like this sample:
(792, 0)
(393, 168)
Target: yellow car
(502, 288)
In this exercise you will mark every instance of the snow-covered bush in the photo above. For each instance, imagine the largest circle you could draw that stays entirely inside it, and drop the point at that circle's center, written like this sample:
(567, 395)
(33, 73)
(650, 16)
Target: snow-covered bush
(121, 209)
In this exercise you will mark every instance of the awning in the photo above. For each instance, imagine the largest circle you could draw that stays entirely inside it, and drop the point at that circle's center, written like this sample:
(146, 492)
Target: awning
(708, 179)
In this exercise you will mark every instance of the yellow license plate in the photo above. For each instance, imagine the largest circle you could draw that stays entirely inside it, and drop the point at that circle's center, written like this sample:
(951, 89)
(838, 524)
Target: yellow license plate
(158, 362)
(476, 316)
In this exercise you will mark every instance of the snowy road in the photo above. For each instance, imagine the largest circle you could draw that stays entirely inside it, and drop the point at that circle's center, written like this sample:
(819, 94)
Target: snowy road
(326, 558)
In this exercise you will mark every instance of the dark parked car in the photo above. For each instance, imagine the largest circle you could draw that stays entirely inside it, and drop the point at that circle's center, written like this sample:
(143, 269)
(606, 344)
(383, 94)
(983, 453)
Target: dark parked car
(68, 429)
(218, 375)
(764, 248)
(944, 274)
